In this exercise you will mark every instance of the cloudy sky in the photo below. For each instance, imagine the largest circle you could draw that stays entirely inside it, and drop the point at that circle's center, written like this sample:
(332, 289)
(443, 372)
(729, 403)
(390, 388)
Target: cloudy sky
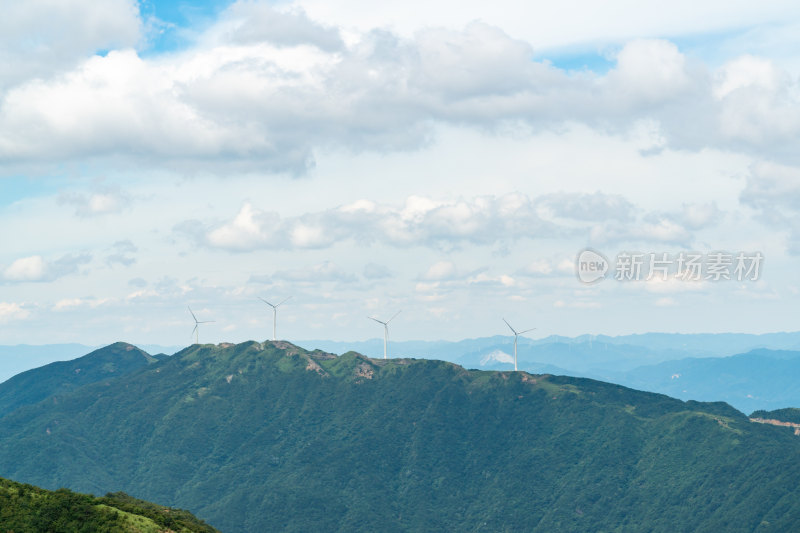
(449, 159)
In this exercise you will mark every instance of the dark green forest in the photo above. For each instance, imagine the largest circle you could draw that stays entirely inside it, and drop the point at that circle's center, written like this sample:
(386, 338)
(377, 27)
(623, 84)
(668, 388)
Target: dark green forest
(270, 437)
(28, 509)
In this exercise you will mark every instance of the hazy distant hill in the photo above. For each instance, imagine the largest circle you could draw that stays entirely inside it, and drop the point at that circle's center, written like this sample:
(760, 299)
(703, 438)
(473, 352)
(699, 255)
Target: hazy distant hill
(760, 379)
(22, 357)
(57, 378)
(16, 359)
(264, 437)
(587, 355)
(28, 509)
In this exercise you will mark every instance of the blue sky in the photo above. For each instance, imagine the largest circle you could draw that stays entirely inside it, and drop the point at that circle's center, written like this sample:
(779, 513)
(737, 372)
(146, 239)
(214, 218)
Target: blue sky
(178, 21)
(450, 159)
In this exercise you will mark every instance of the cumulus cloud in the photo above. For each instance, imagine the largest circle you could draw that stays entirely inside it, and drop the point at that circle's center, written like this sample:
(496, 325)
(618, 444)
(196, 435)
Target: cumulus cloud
(759, 105)
(26, 269)
(269, 87)
(36, 269)
(248, 22)
(12, 311)
(39, 37)
(107, 201)
(421, 221)
(650, 71)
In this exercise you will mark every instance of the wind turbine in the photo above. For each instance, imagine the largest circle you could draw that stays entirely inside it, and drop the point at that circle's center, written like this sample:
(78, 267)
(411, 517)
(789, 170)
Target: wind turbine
(197, 323)
(385, 330)
(516, 334)
(274, 315)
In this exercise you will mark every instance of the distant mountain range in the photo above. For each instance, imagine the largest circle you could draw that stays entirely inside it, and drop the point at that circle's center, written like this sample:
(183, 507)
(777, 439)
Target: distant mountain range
(760, 379)
(269, 436)
(584, 354)
(687, 366)
(704, 367)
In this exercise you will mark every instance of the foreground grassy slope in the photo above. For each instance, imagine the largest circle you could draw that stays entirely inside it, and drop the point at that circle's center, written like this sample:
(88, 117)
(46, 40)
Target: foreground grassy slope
(28, 509)
(263, 437)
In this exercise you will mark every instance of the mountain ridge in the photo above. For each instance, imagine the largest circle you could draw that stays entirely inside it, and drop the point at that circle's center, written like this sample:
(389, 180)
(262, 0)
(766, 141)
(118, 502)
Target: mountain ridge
(270, 436)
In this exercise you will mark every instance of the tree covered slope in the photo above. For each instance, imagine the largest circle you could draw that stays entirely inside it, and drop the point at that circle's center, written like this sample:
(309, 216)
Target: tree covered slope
(37, 384)
(28, 509)
(269, 437)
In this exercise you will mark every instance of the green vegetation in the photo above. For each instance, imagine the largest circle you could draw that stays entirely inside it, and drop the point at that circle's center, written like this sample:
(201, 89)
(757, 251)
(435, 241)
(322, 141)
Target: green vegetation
(790, 414)
(25, 508)
(270, 437)
(35, 385)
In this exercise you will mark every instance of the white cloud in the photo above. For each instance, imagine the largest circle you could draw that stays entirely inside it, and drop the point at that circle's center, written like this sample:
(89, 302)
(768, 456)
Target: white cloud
(247, 22)
(40, 37)
(440, 271)
(68, 304)
(265, 100)
(650, 71)
(35, 268)
(420, 221)
(104, 202)
(12, 311)
(26, 269)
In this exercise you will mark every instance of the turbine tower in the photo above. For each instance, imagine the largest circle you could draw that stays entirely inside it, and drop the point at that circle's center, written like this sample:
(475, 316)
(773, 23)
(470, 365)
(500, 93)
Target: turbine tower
(197, 323)
(385, 330)
(516, 334)
(274, 315)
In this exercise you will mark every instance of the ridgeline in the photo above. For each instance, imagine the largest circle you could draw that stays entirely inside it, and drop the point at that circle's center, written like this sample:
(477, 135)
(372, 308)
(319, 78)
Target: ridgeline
(270, 437)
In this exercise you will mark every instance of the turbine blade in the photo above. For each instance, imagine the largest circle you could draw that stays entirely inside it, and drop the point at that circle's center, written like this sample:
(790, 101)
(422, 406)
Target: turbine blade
(526, 331)
(195, 328)
(283, 301)
(376, 320)
(190, 310)
(395, 315)
(509, 327)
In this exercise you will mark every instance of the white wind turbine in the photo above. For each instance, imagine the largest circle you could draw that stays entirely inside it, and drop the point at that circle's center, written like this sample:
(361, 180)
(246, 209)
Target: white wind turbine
(385, 330)
(197, 323)
(274, 315)
(516, 334)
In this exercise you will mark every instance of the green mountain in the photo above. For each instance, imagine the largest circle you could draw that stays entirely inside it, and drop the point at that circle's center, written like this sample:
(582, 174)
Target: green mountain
(270, 437)
(788, 414)
(28, 509)
(35, 385)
